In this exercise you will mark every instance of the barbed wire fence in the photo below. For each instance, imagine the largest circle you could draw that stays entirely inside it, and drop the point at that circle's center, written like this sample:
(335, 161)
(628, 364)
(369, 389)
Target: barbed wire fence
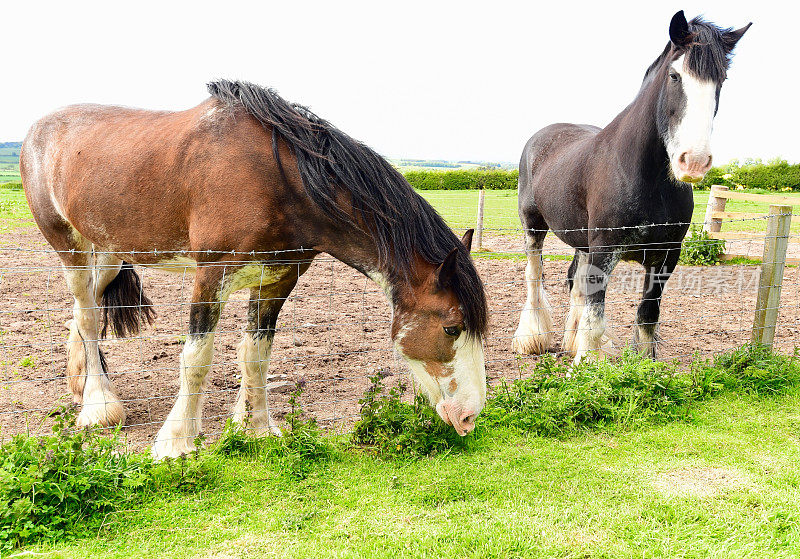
(334, 330)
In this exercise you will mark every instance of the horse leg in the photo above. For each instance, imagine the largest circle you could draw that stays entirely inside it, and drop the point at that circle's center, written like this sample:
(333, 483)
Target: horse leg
(105, 269)
(86, 376)
(576, 302)
(254, 353)
(591, 276)
(534, 334)
(184, 422)
(645, 337)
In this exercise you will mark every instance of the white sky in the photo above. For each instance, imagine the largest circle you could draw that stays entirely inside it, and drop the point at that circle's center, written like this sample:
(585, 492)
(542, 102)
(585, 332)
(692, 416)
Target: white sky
(433, 80)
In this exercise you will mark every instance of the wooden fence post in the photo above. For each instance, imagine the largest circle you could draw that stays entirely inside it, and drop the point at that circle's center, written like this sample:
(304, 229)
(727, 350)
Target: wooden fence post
(478, 244)
(769, 282)
(715, 204)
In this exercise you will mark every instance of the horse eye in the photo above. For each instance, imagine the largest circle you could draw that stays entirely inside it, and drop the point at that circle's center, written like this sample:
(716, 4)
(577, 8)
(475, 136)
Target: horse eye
(452, 330)
(673, 76)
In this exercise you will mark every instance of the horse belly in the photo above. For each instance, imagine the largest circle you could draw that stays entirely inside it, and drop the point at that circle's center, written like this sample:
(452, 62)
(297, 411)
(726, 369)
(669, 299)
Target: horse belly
(235, 275)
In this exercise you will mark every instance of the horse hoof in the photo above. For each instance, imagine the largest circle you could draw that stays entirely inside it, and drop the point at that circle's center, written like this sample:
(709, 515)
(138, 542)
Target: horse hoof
(106, 412)
(172, 447)
(531, 344)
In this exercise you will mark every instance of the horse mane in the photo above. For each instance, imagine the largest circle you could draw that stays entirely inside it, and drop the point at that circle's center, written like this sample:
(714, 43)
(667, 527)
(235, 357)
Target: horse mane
(400, 221)
(706, 56)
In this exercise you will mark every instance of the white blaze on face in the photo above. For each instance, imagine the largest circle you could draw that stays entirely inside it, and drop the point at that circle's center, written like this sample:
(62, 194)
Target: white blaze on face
(470, 370)
(689, 143)
(459, 395)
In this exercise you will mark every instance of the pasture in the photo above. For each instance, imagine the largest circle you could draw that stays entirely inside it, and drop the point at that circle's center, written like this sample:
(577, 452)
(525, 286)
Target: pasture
(459, 209)
(721, 479)
(723, 483)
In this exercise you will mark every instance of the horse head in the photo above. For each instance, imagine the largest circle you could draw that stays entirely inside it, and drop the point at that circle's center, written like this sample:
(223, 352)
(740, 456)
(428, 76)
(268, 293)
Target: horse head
(437, 327)
(695, 64)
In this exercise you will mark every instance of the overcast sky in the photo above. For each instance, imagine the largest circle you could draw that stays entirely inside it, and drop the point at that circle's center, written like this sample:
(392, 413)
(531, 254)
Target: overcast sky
(433, 80)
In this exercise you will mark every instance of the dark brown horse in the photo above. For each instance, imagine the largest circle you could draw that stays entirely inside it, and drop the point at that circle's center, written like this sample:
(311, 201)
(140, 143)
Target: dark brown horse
(245, 189)
(621, 192)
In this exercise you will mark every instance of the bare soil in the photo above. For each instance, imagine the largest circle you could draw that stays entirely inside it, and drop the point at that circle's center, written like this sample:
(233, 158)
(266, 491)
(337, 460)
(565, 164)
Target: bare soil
(333, 332)
(699, 481)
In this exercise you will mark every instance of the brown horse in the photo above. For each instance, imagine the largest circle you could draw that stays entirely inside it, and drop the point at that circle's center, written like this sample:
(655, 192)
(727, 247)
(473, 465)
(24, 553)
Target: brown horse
(245, 189)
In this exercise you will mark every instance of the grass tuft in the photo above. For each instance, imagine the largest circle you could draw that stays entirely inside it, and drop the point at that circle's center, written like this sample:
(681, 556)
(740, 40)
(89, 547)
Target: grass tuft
(559, 399)
(395, 428)
(755, 369)
(61, 486)
(299, 449)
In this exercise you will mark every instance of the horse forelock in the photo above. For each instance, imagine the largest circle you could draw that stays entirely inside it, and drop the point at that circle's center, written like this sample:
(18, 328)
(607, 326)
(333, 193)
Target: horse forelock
(706, 56)
(399, 220)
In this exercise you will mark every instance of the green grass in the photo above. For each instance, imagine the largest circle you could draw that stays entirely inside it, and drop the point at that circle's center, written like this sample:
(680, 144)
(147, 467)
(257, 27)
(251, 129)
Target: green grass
(701, 199)
(459, 208)
(14, 210)
(591, 495)
(9, 176)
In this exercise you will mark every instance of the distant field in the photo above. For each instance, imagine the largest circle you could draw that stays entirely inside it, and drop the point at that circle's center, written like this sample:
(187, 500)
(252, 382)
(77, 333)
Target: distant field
(405, 165)
(9, 164)
(459, 208)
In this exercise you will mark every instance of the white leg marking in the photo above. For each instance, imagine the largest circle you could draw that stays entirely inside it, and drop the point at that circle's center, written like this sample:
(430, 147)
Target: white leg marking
(183, 424)
(577, 300)
(592, 324)
(534, 334)
(253, 356)
(576, 304)
(591, 328)
(76, 362)
(645, 339)
(101, 405)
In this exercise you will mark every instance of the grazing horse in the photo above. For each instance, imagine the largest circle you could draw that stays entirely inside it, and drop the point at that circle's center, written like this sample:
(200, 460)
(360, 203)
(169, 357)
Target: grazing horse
(621, 192)
(245, 189)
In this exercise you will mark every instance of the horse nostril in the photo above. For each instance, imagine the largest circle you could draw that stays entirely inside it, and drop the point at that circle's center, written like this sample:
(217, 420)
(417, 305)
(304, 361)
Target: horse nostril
(708, 163)
(682, 158)
(467, 419)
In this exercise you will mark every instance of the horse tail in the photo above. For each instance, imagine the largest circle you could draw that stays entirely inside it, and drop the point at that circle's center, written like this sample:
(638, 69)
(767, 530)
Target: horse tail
(125, 306)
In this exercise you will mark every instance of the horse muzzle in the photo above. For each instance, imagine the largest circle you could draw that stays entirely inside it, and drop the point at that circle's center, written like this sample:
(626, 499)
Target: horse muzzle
(693, 165)
(460, 417)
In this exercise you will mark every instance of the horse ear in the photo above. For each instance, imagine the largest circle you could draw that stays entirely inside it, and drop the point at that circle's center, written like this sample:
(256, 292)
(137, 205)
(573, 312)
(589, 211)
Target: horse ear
(730, 38)
(679, 32)
(447, 270)
(466, 240)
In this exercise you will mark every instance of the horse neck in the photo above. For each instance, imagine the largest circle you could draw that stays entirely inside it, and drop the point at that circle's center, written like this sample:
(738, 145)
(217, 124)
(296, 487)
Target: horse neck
(358, 249)
(634, 136)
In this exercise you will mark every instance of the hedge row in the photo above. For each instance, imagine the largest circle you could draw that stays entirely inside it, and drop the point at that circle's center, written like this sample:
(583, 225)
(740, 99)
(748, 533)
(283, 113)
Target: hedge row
(776, 174)
(473, 179)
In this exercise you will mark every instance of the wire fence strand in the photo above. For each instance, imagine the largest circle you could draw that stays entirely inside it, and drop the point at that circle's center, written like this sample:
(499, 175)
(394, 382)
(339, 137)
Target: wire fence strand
(334, 331)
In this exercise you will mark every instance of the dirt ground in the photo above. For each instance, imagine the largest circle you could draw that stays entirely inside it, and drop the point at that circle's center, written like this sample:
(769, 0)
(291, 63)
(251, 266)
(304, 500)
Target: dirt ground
(333, 332)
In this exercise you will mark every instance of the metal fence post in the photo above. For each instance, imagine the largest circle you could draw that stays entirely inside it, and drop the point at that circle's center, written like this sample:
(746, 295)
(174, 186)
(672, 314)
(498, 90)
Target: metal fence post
(478, 245)
(715, 204)
(771, 277)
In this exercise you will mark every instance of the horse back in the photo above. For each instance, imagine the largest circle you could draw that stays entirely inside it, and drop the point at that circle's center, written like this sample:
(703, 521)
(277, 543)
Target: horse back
(132, 180)
(550, 175)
